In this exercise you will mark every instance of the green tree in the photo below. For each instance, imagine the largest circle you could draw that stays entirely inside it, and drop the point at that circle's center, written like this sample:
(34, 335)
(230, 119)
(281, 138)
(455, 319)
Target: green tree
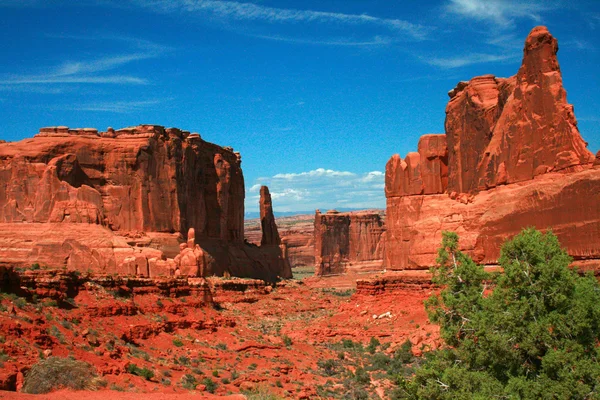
(534, 336)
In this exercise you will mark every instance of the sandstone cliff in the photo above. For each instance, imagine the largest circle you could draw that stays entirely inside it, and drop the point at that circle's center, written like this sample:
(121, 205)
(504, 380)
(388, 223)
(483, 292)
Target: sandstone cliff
(348, 242)
(121, 201)
(144, 178)
(512, 157)
(298, 233)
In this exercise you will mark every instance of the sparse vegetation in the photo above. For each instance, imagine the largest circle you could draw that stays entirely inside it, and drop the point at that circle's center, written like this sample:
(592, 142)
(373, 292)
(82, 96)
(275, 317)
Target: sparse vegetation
(287, 341)
(328, 367)
(188, 382)
(57, 373)
(262, 392)
(210, 385)
(177, 343)
(143, 372)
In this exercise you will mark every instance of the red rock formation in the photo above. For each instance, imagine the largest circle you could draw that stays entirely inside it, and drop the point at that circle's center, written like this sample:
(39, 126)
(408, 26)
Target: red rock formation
(270, 235)
(425, 172)
(145, 178)
(503, 131)
(515, 158)
(297, 231)
(118, 202)
(348, 241)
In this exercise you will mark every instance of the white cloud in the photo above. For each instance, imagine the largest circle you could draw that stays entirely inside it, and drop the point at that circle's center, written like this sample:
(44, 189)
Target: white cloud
(375, 41)
(578, 44)
(121, 107)
(500, 12)
(469, 59)
(82, 72)
(90, 71)
(319, 172)
(239, 11)
(321, 188)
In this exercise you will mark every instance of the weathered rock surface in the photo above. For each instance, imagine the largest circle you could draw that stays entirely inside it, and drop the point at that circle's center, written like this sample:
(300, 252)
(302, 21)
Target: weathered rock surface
(348, 242)
(515, 159)
(503, 131)
(425, 172)
(270, 235)
(144, 178)
(121, 201)
(297, 231)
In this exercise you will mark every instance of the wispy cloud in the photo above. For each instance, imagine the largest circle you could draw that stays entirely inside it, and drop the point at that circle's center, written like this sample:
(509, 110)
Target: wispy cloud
(321, 188)
(376, 41)
(239, 11)
(32, 88)
(319, 172)
(578, 44)
(502, 13)
(92, 71)
(120, 107)
(469, 59)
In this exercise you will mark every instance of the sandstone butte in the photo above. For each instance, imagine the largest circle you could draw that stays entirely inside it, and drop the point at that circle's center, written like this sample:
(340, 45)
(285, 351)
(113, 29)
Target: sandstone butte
(120, 202)
(512, 157)
(348, 242)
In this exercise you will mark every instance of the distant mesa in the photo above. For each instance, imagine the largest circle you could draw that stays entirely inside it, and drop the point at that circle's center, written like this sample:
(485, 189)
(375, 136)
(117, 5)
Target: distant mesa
(352, 242)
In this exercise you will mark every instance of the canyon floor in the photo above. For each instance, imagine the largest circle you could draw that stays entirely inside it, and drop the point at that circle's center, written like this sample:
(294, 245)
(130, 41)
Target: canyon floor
(309, 338)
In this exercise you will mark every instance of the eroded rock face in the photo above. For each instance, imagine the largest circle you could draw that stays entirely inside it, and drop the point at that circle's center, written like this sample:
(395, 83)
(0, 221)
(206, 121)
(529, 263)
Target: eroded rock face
(502, 131)
(348, 241)
(565, 203)
(145, 178)
(514, 159)
(121, 201)
(425, 172)
(270, 235)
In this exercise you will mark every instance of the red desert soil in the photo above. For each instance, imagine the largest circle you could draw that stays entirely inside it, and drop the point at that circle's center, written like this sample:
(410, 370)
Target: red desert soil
(262, 338)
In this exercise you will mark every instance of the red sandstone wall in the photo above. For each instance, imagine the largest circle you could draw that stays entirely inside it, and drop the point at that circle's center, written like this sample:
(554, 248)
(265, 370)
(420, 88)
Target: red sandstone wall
(346, 241)
(514, 159)
(118, 202)
(137, 179)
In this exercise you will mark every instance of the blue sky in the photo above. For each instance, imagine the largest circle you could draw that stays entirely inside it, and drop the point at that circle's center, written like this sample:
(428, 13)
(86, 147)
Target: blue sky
(316, 95)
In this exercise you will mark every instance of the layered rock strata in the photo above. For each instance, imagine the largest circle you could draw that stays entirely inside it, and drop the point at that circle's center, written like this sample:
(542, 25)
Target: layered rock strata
(348, 242)
(121, 201)
(512, 157)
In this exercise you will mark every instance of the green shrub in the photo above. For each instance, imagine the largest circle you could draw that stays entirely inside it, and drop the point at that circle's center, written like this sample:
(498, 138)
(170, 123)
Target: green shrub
(57, 373)
(287, 341)
(329, 367)
(177, 343)
(143, 372)
(211, 385)
(361, 376)
(404, 353)
(183, 360)
(20, 302)
(221, 346)
(188, 382)
(534, 336)
(372, 347)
